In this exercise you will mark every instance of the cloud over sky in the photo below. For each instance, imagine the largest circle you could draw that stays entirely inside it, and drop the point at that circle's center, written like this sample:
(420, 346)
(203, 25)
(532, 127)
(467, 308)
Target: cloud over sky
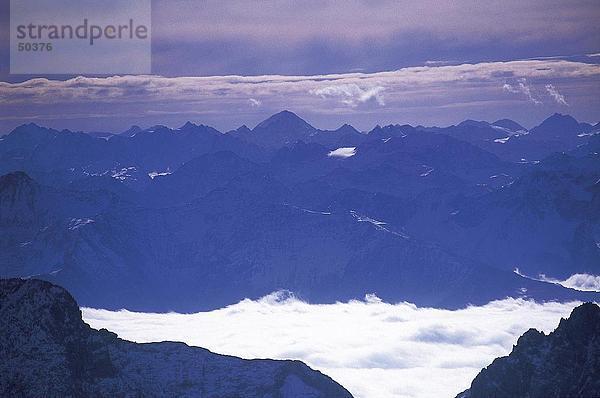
(442, 94)
(253, 102)
(351, 94)
(556, 95)
(327, 36)
(374, 349)
(522, 87)
(420, 62)
(357, 62)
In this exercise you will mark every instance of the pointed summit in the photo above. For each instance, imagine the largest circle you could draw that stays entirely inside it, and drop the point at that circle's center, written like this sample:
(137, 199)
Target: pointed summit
(188, 126)
(347, 129)
(284, 119)
(281, 129)
(240, 131)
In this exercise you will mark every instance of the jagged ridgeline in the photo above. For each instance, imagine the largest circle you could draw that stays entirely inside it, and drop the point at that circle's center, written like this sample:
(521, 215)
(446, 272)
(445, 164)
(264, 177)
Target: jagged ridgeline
(190, 219)
(48, 351)
(565, 363)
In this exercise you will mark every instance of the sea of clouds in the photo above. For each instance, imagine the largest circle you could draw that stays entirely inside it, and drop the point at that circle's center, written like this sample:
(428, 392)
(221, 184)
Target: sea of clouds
(373, 348)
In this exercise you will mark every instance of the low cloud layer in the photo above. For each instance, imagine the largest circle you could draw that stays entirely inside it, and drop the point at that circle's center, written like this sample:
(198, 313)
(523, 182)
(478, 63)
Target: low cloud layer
(374, 349)
(357, 87)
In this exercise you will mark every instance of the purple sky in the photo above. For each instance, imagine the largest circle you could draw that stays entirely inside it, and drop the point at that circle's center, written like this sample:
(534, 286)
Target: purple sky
(429, 62)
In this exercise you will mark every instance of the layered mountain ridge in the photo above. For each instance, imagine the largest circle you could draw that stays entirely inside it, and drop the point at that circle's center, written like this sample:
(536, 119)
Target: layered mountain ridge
(189, 219)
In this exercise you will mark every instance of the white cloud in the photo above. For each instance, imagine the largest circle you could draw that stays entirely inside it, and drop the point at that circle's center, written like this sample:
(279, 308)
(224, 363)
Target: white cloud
(583, 282)
(441, 94)
(556, 95)
(426, 81)
(254, 103)
(351, 94)
(521, 87)
(374, 349)
(342, 152)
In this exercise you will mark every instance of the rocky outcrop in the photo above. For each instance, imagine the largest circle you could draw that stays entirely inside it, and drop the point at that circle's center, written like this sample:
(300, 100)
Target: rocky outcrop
(565, 363)
(47, 350)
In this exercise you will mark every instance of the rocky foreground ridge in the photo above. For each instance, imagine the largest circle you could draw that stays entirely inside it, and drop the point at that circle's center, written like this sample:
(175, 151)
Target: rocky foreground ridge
(47, 350)
(565, 363)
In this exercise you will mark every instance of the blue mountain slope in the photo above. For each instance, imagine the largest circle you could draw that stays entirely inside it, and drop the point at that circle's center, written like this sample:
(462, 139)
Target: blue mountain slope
(189, 218)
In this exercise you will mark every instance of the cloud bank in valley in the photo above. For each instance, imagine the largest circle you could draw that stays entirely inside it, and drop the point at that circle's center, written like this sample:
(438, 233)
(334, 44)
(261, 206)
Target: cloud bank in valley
(583, 282)
(374, 349)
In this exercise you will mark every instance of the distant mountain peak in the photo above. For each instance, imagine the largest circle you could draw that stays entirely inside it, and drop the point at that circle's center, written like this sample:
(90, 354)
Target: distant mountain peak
(243, 129)
(188, 125)
(558, 120)
(30, 124)
(31, 128)
(560, 128)
(283, 119)
(473, 123)
(157, 127)
(346, 129)
(559, 116)
(508, 124)
(283, 128)
(131, 131)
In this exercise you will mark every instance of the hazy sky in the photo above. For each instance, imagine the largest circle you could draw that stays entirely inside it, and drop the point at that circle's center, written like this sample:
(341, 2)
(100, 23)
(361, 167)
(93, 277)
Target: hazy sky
(313, 40)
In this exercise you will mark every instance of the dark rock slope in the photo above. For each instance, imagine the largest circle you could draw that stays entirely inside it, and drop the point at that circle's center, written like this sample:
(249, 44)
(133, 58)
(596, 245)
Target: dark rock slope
(48, 351)
(565, 363)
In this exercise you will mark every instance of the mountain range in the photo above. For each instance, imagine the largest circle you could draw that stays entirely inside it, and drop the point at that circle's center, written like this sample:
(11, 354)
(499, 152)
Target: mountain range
(190, 219)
